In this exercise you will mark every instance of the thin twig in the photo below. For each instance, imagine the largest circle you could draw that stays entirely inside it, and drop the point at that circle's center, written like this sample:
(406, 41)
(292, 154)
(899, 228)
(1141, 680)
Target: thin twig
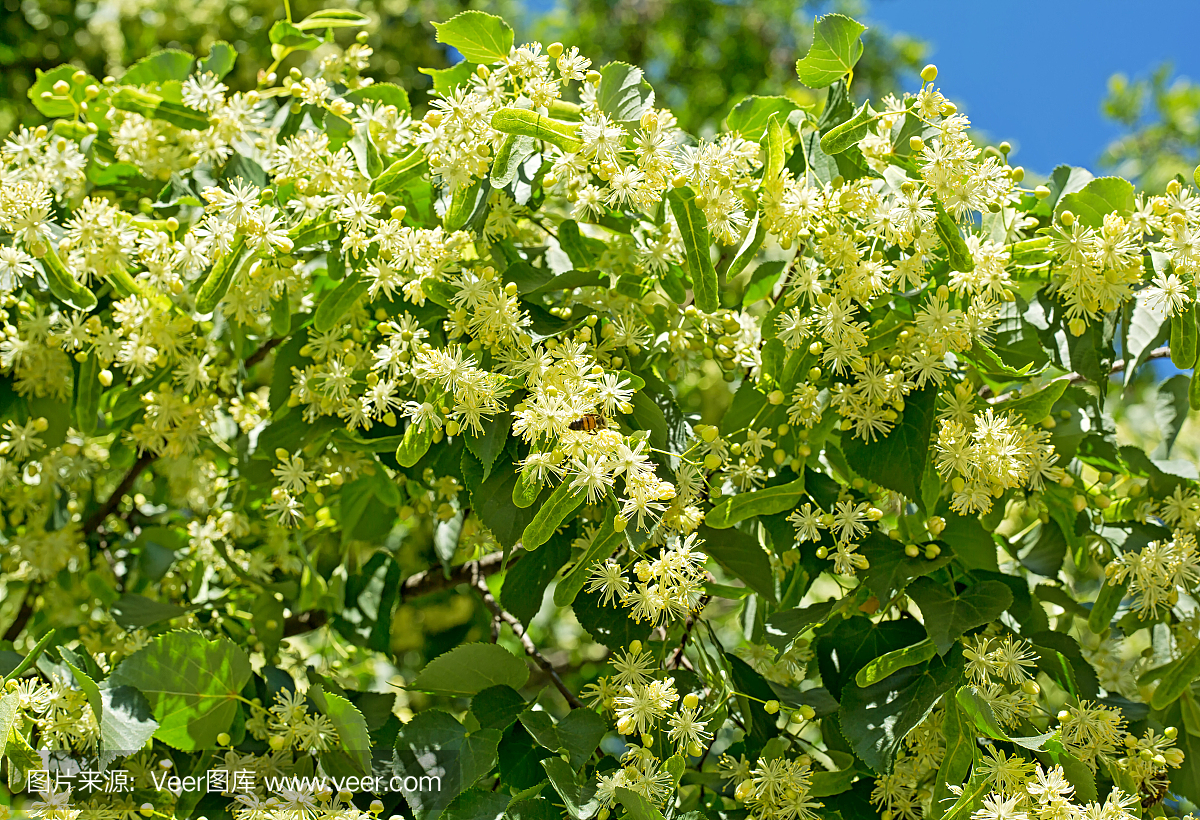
(260, 354)
(519, 630)
(416, 585)
(435, 579)
(677, 656)
(1076, 378)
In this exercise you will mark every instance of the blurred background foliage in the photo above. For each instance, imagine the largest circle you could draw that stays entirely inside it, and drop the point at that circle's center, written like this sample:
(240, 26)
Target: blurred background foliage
(702, 56)
(1160, 118)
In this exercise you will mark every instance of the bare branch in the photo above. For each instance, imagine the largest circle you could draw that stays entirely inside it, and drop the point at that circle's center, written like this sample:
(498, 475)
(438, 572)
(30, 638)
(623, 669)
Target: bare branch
(518, 629)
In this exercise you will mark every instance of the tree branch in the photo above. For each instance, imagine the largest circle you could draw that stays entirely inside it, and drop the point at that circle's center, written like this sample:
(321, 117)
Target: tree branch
(519, 630)
(416, 585)
(97, 518)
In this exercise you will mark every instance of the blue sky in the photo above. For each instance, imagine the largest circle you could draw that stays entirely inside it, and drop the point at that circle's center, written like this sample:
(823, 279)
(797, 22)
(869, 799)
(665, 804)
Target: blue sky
(1034, 73)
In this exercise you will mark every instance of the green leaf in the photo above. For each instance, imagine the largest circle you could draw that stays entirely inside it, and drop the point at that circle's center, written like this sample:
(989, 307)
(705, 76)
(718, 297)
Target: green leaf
(956, 247)
(605, 542)
(44, 84)
(63, 285)
(693, 227)
(159, 67)
(975, 790)
(876, 719)
(87, 394)
(408, 167)
(494, 505)
(471, 668)
(220, 59)
(415, 444)
(978, 713)
(351, 726)
(1036, 406)
(636, 806)
(488, 446)
(891, 569)
(623, 94)
(435, 745)
(894, 661)
(749, 117)
(773, 143)
(579, 733)
(762, 282)
(465, 204)
(898, 460)
(338, 302)
(9, 710)
(838, 139)
(575, 247)
(290, 36)
(836, 47)
(192, 685)
(766, 501)
(784, 626)
(1183, 341)
(133, 610)
(741, 556)
(561, 503)
(760, 727)
(956, 762)
(577, 792)
(386, 93)
(1107, 602)
(478, 36)
(1177, 680)
(446, 80)
(217, 283)
(333, 18)
(751, 242)
(527, 123)
(948, 614)
(1101, 196)
(497, 707)
(827, 784)
(1170, 411)
(515, 149)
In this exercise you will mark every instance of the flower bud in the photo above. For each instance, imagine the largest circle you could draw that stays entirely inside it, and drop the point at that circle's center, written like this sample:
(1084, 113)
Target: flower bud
(775, 397)
(916, 144)
(1041, 192)
(690, 701)
(912, 550)
(555, 50)
(929, 73)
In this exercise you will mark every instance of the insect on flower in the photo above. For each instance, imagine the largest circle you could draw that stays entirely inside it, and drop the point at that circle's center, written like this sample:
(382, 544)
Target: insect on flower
(589, 422)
